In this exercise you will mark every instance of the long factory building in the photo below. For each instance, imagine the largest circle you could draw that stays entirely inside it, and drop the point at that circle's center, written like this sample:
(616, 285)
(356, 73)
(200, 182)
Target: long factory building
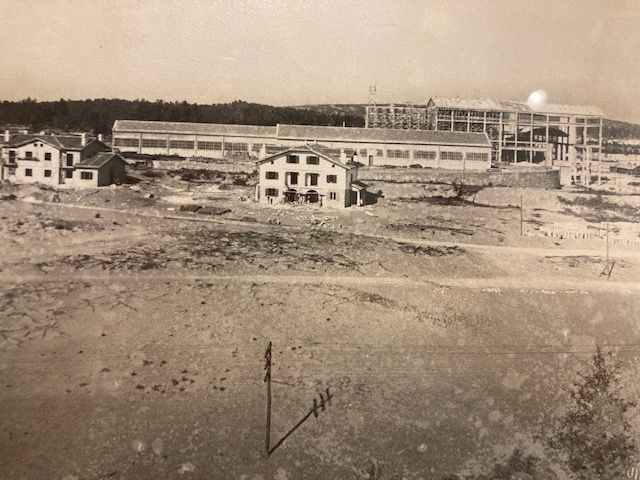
(371, 146)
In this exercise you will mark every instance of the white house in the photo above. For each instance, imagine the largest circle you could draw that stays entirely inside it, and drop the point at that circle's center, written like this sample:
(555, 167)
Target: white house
(309, 173)
(51, 159)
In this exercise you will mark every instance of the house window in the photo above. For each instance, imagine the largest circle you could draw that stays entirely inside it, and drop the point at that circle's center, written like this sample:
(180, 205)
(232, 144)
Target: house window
(271, 175)
(28, 172)
(86, 175)
(332, 179)
(311, 179)
(28, 154)
(313, 161)
(293, 178)
(379, 153)
(47, 156)
(68, 174)
(363, 152)
(293, 159)
(47, 173)
(333, 195)
(271, 192)
(69, 159)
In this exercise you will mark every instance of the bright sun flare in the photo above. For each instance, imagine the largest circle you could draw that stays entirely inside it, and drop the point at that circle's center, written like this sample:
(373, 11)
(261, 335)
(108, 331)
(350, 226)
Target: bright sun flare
(537, 99)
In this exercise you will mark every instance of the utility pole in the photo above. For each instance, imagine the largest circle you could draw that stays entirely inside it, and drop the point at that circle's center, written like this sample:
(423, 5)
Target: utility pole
(324, 401)
(267, 379)
(521, 215)
(607, 224)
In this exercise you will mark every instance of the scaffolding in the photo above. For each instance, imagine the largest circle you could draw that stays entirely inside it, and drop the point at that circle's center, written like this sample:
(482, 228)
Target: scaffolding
(563, 134)
(406, 116)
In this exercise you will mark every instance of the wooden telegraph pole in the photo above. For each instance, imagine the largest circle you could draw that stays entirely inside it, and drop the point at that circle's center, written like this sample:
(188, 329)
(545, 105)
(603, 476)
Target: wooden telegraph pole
(607, 242)
(267, 379)
(324, 401)
(521, 215)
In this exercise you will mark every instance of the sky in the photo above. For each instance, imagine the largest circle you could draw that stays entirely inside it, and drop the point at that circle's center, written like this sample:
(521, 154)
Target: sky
(285, 52)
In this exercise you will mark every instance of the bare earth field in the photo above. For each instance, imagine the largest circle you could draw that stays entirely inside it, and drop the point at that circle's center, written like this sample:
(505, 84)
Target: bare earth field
(132, 334)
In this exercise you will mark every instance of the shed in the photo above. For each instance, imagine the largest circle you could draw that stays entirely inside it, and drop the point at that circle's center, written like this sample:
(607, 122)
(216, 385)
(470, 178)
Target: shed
(102, 169)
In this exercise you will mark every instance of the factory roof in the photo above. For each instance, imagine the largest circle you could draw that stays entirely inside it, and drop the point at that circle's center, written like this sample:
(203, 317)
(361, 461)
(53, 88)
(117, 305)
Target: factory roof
(380, 135)
(511, 106)
(194, 128)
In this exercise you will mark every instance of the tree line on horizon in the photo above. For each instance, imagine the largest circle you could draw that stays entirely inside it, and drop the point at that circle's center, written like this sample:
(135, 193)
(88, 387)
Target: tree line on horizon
(98, 115)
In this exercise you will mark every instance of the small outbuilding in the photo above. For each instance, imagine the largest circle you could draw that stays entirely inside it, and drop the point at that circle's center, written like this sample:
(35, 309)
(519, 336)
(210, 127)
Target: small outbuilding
(102, 169)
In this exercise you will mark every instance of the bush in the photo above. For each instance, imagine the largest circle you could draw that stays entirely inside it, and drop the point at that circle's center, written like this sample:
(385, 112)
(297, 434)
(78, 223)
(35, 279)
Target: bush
(595, 436)
(190, 208)
(240, 181)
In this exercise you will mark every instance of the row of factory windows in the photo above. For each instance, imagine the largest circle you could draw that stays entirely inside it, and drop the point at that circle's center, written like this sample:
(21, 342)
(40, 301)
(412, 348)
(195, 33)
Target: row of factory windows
(239, 146)
(180, 144)
(513, 116)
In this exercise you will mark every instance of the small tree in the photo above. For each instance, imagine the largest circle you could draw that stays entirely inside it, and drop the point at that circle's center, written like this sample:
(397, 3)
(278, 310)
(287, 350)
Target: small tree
(594, 436)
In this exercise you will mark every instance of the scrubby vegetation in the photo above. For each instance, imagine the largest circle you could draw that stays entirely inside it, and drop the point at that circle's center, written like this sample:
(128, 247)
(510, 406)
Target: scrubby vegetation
(98, 115)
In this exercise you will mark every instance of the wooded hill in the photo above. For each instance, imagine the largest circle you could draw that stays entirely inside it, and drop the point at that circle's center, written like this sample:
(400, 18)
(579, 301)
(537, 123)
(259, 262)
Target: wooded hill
(98, 115)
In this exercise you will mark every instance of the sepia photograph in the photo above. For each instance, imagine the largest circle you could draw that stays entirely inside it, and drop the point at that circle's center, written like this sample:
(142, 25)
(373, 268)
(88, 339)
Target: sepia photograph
(320, 239)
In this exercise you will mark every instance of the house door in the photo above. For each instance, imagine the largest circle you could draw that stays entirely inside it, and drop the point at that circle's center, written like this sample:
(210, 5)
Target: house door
(371, 160)
(312, 196)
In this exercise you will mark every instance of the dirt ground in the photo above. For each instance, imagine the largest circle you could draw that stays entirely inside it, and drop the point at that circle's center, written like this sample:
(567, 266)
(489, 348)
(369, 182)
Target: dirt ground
(132, 333)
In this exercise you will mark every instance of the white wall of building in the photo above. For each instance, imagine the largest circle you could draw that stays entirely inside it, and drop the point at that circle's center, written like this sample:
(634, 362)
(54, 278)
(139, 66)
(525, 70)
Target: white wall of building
(341, 188)
(369, 153)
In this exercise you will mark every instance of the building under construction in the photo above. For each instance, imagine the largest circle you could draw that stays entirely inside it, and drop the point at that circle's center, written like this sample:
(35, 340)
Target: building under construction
(550, 135)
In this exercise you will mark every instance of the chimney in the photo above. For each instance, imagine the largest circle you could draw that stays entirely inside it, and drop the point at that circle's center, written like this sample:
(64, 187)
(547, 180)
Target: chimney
(84, 139)
(7, 136)
(100, 137)
(343, 156)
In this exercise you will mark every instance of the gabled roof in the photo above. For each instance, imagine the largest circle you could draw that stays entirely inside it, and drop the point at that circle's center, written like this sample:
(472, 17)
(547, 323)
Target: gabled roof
(98, 160)
(63, 142)
(511, 106)
(193, 128)
(319, 150)
(381, 135)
